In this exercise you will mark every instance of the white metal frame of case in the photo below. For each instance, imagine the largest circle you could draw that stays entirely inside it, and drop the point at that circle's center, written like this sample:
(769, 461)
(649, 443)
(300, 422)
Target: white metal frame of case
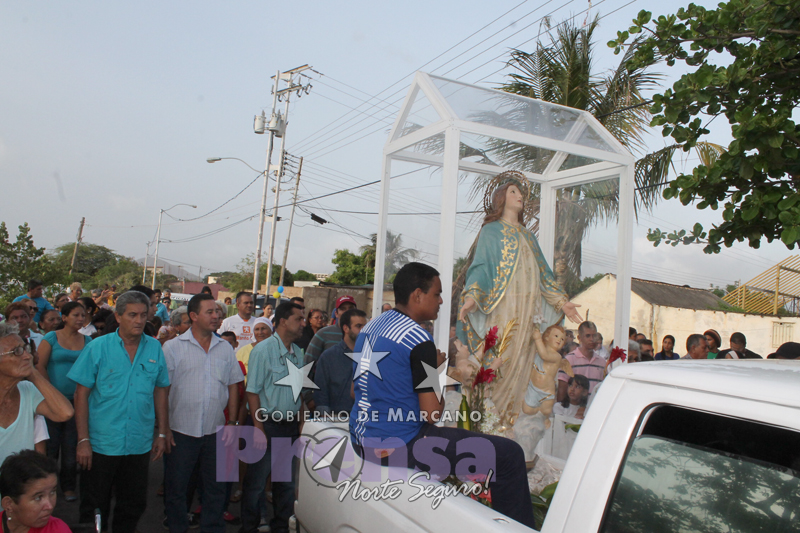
(618, 163)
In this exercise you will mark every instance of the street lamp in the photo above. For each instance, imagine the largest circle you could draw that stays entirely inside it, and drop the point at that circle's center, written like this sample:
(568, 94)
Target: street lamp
(262, 214)
(158, 239)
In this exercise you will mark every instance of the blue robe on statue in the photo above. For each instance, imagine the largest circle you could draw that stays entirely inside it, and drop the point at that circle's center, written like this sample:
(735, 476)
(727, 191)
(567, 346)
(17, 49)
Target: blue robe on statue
(515, 290)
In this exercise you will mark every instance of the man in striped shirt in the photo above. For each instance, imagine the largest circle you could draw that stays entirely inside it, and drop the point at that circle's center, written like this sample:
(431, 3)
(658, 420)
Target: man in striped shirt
(584, 360)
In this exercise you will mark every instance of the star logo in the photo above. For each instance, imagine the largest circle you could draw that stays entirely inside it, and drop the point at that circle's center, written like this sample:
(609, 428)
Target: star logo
(333, 459)
(297, 378)
(437, 379)
(328, 457)
(366, 360)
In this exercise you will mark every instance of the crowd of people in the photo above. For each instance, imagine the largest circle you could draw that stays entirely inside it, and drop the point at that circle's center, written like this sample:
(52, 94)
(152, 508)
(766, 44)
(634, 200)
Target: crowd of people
(100, 386)
(92, 389)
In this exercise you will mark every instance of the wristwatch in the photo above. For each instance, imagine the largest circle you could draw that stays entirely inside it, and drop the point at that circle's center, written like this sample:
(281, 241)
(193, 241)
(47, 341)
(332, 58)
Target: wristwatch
(232, 423)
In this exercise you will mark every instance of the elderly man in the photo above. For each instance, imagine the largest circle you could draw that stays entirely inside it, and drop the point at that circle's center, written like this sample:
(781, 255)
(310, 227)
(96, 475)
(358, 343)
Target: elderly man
(179, 324)
(272, 405)
(120, 377)
(25, 393)
(696, 347)
(35, 290)
(241, 323)
(634, 351)
(204, 374)
(75, 291)
(584, 361)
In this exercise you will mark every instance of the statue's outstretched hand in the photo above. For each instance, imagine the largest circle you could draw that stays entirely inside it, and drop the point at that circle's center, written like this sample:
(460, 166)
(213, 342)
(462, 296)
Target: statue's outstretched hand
(469, 306)
(570, 309)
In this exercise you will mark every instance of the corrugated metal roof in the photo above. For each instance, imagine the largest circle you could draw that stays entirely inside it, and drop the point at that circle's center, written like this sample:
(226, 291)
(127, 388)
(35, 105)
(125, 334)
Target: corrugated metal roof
(668, 295)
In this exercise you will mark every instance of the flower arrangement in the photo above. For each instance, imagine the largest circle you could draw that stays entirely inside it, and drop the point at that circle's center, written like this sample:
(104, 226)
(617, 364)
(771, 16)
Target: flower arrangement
(617, 353)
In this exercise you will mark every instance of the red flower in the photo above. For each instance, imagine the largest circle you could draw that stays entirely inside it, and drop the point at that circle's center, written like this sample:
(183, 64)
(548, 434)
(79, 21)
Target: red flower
(484, 375)
(617, 353)
(490, 340)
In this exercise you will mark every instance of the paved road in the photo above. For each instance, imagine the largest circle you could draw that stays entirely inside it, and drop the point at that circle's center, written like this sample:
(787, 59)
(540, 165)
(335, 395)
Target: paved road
(153, 516)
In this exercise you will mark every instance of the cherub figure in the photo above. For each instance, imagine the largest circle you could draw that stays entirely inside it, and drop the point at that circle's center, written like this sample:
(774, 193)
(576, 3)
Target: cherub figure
(541, 393)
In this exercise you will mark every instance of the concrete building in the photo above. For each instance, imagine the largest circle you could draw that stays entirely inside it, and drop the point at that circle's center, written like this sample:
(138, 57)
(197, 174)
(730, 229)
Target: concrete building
(659, 309)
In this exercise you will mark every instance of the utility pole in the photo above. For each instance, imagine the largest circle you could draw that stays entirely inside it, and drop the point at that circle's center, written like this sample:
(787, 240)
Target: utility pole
(277, 126)
(146, 257)
(291, 221)
(77, 243)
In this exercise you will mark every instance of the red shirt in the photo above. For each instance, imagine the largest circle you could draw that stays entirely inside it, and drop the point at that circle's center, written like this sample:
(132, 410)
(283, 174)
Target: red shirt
(54, 525)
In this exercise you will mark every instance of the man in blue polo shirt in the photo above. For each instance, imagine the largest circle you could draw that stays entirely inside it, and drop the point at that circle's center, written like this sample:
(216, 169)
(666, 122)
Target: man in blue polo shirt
(276, 408)
(396, 361)
(120, 376)
(35, 290)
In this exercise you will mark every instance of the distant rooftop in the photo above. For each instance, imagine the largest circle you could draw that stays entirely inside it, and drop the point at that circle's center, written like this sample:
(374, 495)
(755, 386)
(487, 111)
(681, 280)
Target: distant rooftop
(668, 295)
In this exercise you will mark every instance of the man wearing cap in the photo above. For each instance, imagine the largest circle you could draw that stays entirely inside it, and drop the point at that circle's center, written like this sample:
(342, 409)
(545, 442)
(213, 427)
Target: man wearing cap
(787, 350)
(329, 336)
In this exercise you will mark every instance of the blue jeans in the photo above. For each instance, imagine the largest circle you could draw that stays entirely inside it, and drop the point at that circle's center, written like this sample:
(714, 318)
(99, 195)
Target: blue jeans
(187, 453)
(64, 443)
(256, 480)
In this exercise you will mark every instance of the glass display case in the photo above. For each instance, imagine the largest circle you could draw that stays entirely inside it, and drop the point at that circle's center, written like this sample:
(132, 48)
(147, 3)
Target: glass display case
(450, 138)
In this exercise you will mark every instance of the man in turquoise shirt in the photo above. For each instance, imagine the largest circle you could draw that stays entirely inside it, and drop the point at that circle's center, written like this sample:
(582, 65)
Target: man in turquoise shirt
(35, 290)
(120, 376)
(272, 405)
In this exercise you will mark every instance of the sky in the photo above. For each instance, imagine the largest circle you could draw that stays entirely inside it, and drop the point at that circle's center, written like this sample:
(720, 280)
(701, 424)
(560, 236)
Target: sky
(110, 111)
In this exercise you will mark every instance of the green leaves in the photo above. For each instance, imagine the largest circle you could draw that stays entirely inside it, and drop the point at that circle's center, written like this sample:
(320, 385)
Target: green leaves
(21, 261)
(744, 64)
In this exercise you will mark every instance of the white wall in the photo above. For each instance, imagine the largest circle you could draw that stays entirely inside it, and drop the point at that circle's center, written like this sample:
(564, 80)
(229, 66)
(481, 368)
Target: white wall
(657, 321)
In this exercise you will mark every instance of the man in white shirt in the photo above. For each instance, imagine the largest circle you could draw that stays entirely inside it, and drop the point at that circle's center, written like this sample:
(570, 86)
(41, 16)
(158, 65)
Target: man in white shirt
(204, 375)
(242, 323)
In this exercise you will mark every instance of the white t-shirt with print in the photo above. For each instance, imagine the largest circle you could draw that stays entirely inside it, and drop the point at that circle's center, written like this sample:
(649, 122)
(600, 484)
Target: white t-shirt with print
(242, 328)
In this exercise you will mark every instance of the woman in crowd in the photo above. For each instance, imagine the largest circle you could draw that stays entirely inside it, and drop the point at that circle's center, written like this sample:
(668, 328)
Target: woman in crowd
(60, 300)
(28, 486)
(91, 308)
(49, 321)
(666, 353)
(714, 341)
(19, 313)
(57, 353)
(574, 404)
(222, 311)
(23, 393)
(262, 330)
(99, 322)
(314, 322)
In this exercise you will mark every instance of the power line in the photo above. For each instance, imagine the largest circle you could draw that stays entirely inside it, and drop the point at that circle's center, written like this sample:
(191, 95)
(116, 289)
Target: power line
(325, 128)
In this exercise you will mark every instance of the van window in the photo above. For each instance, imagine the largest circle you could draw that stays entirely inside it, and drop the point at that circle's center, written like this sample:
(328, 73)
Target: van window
(688, 470)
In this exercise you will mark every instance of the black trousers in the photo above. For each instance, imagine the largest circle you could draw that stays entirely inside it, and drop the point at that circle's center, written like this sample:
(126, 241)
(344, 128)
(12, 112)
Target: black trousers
(124, 476)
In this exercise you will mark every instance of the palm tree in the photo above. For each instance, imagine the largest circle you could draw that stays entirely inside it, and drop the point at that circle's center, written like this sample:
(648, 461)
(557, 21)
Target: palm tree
(561, 72)
(396, 255)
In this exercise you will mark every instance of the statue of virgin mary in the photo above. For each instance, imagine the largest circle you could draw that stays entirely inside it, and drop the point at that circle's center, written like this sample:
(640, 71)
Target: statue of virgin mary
(509, 285)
